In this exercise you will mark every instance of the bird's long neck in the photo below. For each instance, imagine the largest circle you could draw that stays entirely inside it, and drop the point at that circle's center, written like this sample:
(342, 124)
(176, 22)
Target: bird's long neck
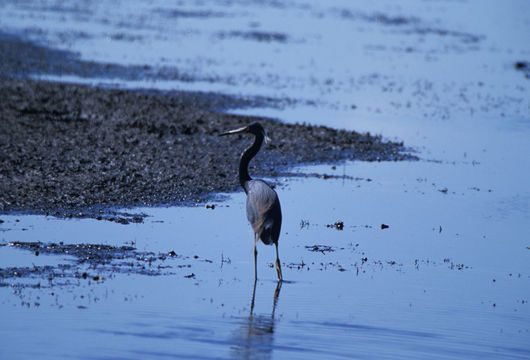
(247, 155)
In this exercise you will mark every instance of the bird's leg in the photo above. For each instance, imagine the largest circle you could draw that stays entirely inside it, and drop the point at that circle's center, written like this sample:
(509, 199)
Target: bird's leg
(253, 297)
(256, 238)
(276, 295)
(278, 266)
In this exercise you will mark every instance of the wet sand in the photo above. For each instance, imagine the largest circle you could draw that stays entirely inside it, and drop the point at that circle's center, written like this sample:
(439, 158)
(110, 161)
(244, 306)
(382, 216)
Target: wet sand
(67, 149)
(76, 150)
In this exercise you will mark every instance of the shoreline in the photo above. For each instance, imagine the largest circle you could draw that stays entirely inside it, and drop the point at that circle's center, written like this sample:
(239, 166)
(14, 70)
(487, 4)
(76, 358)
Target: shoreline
(70, 148)
(78, 150)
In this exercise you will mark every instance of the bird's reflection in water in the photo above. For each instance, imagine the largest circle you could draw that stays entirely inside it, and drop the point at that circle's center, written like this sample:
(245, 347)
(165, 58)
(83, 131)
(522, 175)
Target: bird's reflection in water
(255, 338)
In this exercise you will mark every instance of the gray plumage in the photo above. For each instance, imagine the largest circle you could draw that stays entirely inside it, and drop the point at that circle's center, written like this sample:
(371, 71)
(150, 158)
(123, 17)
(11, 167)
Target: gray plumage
(263, 206)
(263, 211)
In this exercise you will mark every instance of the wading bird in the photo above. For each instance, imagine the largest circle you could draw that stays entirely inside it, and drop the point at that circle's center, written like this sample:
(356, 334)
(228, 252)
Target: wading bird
(263, 206)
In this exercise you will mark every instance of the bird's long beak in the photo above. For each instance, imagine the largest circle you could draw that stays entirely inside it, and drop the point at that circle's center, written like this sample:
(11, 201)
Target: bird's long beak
(236, 131)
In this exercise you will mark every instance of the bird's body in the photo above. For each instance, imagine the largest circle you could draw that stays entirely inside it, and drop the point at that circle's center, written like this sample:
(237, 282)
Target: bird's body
(263, 206)
(263, 211)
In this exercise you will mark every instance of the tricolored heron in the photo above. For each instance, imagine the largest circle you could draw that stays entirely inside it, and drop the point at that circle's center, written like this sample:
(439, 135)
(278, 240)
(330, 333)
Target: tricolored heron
(263, 206)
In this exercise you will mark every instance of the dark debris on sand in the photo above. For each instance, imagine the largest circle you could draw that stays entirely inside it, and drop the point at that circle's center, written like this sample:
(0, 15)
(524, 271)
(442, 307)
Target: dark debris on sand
(65, 147)
(524, 67)
(87, 261)
(73, 150)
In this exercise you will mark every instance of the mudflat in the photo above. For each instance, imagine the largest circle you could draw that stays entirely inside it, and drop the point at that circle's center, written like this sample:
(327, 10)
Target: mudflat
(66, 149)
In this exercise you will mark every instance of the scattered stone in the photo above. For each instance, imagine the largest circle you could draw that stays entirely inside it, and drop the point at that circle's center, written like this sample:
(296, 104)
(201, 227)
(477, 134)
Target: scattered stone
(524, 67)
(339, 225)
(77, 151)
(520, 65)
(107, 259)
(320, 248)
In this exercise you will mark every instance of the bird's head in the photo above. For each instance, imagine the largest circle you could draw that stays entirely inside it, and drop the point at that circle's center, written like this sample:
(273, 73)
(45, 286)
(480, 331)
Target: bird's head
(254, 128)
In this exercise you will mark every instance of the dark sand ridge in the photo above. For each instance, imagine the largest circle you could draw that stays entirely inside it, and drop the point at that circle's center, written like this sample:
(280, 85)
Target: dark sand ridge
(66, 149)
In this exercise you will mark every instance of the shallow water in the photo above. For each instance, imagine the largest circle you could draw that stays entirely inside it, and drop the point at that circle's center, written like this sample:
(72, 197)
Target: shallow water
(447, 279)
(458, 293)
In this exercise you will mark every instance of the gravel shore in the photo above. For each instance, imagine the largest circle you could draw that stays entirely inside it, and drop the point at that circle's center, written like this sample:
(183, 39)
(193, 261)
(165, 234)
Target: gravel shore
(67, 147)
(75, 150)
